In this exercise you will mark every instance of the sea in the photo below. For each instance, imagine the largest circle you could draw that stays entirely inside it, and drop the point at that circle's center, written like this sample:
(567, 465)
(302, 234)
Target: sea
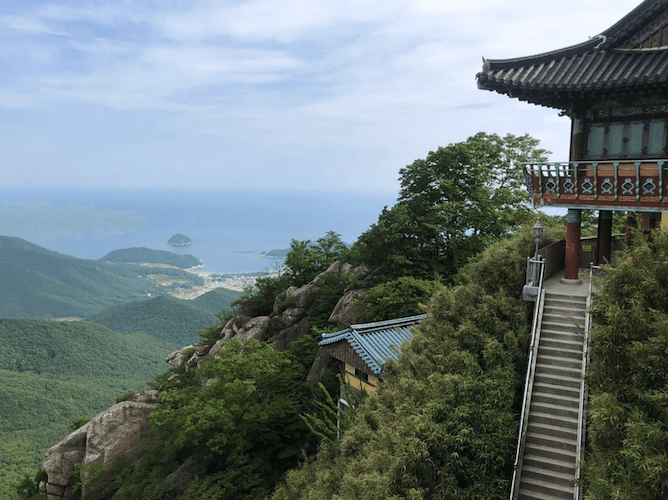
(231, 231)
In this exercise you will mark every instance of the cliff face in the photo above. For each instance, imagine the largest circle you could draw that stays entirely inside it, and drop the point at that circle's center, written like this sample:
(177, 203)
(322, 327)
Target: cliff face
(111, 437)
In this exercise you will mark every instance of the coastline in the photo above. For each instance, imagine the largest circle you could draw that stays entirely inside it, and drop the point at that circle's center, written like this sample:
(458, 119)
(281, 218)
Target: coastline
(236, 283)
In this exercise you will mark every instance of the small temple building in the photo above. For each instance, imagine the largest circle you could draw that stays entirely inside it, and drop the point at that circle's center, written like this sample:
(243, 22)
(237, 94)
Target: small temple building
(614, 88)
(364, 349)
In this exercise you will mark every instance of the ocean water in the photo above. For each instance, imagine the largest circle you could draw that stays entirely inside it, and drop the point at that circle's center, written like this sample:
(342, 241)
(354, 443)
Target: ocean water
(229, 230)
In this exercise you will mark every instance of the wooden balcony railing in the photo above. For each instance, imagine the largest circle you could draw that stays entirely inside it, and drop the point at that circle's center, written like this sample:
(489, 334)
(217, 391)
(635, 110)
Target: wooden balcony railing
(615, 184)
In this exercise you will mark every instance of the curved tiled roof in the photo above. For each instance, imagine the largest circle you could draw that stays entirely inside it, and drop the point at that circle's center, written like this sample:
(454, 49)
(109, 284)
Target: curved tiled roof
(376, 342)
(563, 78)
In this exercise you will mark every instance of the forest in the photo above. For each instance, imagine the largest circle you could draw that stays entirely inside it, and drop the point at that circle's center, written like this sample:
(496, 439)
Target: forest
(250, 424)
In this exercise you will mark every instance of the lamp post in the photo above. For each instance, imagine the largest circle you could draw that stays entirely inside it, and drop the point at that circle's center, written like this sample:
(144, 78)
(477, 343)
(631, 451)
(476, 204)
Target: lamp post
(538, 232)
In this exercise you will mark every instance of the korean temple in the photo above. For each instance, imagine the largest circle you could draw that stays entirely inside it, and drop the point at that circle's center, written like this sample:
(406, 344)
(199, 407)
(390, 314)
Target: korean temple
(614, 88)
(364, 349)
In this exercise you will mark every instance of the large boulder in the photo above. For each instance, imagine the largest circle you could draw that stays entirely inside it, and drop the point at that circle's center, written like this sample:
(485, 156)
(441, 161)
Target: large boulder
(256, 328)
(349, 309)
(284, 338)
(233, 326)
(110, 436)
(176, 358)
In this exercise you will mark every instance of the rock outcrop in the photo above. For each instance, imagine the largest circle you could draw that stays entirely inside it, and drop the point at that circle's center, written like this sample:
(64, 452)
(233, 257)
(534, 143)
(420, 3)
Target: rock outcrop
(110, 436)
(113, 434)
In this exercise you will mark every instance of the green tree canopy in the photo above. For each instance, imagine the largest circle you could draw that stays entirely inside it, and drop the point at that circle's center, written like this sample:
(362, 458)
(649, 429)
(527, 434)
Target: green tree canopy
(451, 205)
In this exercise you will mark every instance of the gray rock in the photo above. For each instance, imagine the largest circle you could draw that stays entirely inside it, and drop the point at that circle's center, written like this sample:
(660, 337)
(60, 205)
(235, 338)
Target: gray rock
(113, 432)
(176, 358)
(291, 315)
(349, 309)
(181, 478)
(254, 329)
(284, 338)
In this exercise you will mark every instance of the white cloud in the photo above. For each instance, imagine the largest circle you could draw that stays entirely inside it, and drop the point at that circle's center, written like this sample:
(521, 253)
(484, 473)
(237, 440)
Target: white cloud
(10, 100)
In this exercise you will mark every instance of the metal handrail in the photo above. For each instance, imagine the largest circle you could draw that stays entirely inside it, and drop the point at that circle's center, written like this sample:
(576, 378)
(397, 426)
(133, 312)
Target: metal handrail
(582, 415)
(531, 367)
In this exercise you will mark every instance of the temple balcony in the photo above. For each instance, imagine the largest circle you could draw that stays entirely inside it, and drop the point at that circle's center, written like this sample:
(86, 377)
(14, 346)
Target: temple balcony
(637, 185)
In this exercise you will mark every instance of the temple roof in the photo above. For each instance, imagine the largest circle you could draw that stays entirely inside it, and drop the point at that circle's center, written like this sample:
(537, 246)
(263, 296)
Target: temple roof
(632, 53)
(376, 342)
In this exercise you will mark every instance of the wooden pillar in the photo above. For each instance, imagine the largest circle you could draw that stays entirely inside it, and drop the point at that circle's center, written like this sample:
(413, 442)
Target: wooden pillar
(572, 264)
(604, 236)
(577, 139)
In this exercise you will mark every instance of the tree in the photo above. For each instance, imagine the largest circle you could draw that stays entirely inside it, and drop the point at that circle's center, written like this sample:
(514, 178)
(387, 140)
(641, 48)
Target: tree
(443, 424)
(627, 456)
(306, 260)
(452, 204)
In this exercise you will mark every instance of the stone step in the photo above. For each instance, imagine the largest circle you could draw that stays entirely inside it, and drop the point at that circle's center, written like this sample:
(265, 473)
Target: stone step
(563, 327)
(555, 389)
(565, 345)
(552, 334)
(564, 319)
(540, 486)
(560, 371)
(557, 400)
(566, 423)
(559, 353)
(576, 299)
(525, 494)
(553, 443)
(555, 410)
(553, 431)
(546, 359)
(549, 464)
(558, 379)
(563, 480)
(564, 310)
(561, 456)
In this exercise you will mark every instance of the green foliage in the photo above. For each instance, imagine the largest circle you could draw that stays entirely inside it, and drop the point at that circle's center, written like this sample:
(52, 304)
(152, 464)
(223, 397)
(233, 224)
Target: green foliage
(166, 318)
(78, 348)
(37, 411)
(328, 295)
(443, 423)
(243, 427)
(18, 460)
(261, 301)
(303, 262)
(81, 421)
(143, 254)
(628, 377)
(211, 334)
(398, 298)
(306, 260)
(452, 204)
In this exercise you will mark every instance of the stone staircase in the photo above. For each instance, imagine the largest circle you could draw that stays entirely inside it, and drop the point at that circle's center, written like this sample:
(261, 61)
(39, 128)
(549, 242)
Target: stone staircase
(548, 464)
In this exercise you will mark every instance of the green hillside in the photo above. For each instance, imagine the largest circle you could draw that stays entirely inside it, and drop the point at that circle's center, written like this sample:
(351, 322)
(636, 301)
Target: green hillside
(79, 348)
(166, 318)
(38, 283)
(36, 411)
(216, 300)
(143, 254)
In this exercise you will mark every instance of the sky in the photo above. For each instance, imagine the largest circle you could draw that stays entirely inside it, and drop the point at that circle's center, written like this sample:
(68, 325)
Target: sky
(305, 95)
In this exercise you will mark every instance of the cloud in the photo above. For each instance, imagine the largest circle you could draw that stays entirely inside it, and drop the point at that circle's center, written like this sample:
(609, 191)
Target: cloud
(9, 100)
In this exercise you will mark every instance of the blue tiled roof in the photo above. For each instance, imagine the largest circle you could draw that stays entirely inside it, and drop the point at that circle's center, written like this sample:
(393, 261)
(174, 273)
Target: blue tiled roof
(376, 342)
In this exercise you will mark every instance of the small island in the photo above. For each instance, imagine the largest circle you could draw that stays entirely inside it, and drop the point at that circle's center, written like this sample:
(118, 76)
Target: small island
(179, 241)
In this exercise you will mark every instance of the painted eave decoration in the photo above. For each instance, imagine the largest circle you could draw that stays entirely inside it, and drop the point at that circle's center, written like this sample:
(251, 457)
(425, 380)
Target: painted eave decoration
(376, 342)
